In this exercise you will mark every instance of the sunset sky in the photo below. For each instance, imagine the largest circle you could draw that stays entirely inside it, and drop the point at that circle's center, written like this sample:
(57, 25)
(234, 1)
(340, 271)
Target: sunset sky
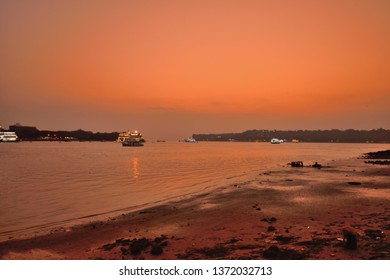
(173, 68)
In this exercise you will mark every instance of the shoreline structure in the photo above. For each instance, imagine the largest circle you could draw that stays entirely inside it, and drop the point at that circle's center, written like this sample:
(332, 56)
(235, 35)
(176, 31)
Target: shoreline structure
(284, 213)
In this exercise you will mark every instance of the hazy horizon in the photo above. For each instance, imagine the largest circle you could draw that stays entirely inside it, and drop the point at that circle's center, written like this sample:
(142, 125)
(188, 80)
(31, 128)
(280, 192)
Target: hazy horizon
(174, 68)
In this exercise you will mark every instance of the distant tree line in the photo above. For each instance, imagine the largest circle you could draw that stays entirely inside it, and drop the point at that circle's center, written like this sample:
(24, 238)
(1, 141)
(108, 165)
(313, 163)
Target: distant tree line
(32, 133)
(82, 135)
(334, 135)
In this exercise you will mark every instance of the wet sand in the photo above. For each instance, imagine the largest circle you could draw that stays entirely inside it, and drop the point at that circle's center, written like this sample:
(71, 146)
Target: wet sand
(284, 213)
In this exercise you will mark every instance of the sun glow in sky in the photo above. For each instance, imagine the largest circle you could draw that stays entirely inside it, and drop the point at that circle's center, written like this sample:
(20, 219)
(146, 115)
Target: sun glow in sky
(173, 68)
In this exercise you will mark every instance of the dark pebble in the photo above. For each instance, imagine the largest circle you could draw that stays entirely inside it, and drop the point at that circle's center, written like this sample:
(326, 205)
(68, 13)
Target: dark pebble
(138, 245)
(271, 228)
(156, 250)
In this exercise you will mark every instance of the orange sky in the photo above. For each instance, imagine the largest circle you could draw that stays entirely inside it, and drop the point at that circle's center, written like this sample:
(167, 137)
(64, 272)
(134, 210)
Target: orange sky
(173, 68)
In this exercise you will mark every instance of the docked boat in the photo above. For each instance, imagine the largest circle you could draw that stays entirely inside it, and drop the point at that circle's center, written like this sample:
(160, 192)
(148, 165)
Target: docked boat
(276, 141)
(6, 136)
(131, 139)
(123, 136)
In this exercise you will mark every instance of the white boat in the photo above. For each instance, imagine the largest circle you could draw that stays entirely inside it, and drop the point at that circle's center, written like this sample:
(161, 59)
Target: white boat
(190, 140)
(276, 141)
(6, 136)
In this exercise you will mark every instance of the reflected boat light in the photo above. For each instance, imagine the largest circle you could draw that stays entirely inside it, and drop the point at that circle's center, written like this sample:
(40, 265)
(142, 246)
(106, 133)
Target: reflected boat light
(135, 168)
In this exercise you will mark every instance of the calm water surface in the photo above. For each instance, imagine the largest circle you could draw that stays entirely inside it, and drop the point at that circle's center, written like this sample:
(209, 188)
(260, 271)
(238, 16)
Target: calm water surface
(46, 184)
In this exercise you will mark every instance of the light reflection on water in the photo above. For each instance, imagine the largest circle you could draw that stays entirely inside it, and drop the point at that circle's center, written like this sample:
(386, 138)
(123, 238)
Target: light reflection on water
(46, 184)
(135, 168)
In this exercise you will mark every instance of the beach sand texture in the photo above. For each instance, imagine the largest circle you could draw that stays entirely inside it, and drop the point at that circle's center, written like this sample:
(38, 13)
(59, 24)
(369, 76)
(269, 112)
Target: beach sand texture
(284, 213)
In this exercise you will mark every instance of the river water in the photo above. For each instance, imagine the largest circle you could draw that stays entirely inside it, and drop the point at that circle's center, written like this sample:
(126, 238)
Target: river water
(51, 184)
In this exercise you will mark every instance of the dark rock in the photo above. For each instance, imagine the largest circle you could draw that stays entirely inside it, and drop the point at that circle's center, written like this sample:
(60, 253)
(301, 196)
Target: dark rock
(317, 165)
(159, 239)
(354, 183)
(296, 164)
(125, 251)
(138, 245)
(271, 228)
(156, 250)
(123, 242)
(285, 239)
(272, 252)
(108, 247)
(378, 155)
(270, 220)
(350, 239)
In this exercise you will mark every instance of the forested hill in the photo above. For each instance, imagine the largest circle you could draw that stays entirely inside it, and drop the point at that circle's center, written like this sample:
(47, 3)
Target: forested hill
(334, 135)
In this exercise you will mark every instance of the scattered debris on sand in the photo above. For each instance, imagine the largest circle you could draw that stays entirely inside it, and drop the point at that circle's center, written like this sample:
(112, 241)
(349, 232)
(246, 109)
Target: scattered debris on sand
(137, 246)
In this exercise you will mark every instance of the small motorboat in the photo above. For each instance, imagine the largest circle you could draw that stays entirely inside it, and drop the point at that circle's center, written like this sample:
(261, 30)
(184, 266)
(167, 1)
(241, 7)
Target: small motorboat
(190, 140)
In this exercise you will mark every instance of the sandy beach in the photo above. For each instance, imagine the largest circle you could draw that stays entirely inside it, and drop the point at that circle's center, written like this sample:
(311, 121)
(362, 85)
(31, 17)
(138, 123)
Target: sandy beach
(284, 213)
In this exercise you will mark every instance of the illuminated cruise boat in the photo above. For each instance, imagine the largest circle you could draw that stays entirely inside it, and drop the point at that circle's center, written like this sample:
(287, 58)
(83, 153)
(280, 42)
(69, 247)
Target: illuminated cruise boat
(129, 139)
(6, 136)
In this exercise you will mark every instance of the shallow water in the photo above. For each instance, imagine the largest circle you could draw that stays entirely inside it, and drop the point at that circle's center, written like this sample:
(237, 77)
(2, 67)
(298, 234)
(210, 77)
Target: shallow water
(46, 184)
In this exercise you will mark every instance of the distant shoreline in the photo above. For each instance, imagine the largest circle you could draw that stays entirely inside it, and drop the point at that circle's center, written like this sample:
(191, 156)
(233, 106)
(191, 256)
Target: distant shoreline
(31, 133)
(311, 136)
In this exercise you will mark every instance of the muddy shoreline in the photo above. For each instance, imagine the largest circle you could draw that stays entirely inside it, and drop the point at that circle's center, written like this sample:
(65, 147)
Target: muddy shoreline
(284, 213)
